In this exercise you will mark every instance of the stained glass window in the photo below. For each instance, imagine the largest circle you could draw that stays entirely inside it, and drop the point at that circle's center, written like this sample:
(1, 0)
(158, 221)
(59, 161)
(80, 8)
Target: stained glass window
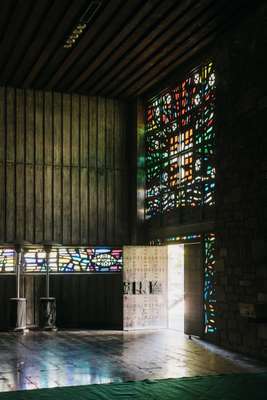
(90, 260)
(34, 260)
(177, 239)
(73, 260)
(179, 144)
(53, 260)
(184, 239)
(209, 284)
(7, 260)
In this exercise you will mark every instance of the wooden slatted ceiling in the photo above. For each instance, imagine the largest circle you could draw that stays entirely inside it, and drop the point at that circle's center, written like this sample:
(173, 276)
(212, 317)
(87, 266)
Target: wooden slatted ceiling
(127, 47)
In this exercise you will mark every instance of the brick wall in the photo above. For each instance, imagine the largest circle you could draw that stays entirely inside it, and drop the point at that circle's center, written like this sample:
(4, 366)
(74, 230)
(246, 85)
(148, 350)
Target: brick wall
(241, 215)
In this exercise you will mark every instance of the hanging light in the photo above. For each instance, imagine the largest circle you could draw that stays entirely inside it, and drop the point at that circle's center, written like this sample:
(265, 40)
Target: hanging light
(78, 29)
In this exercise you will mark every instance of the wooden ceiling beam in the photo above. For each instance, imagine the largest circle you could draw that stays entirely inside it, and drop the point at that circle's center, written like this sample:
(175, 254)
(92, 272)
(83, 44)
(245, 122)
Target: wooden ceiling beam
(44, 34)
(128, 47)
(163, 68)
(109, 37)
(12, 32)
(141, 47)
(35, 17)
(6, 10)
(147, 16)
(191, 24)
(65, 58)
(147, 83)
(134, 86)
(63, 28)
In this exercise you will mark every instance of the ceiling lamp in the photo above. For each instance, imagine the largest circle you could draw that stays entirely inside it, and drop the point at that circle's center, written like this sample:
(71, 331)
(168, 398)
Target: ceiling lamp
(82, 24)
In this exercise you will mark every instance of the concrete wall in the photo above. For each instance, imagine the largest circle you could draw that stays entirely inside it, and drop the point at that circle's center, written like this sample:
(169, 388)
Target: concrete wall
(241, 217)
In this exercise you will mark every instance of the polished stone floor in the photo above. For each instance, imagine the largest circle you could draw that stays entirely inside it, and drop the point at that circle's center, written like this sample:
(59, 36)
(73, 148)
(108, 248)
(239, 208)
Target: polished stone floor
(40, 360)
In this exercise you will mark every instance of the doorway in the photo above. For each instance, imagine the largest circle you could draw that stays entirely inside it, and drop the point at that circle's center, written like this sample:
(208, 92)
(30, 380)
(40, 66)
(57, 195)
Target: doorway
(185, 288)
(163, 288)
(176, 287)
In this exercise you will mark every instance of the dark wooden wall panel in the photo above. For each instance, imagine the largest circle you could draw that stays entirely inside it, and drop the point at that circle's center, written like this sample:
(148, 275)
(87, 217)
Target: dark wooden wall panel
(48, 200)
(33, 288)
(2, 161)
(57, 204)
(20, 201)
(83, 301)
(64, 179)
(2, 125)
(30, 131)
(2, 204)
(88, 301)
(93, 217)
(39, 204)
(84, 126)
(84, 206)
(29, 202)
(10, 203)
(7, 290)
(63, 169)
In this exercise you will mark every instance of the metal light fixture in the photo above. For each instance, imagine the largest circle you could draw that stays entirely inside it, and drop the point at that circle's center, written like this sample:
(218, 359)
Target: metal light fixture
(82, 24)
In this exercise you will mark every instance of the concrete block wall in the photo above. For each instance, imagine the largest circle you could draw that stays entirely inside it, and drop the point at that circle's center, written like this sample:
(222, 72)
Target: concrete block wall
(241, 208)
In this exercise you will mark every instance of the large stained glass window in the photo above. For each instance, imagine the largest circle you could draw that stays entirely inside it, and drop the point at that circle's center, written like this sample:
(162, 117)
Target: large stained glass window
(73, 260)
(179, 145)
(7, 260)
(209, 284)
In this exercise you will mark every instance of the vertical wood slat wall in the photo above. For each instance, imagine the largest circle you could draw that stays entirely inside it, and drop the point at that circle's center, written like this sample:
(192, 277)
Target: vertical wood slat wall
(63, 170)
(83, 301)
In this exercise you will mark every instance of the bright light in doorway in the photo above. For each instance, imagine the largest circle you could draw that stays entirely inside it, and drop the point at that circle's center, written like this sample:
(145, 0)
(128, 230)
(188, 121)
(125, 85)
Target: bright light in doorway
(176, 287)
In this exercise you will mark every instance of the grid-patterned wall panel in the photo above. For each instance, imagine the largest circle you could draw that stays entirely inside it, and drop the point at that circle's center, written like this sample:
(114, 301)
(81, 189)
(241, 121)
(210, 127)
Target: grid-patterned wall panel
(63, 174)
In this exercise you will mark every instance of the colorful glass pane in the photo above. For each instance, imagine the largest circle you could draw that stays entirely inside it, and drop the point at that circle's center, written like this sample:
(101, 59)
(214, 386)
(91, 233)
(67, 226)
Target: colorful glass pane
(184, 239)
(53, 260)
(179, 144)
(73, 260)
(209, 284)
(34, 260)
(89, 260)
(177, 239)
(7, 260)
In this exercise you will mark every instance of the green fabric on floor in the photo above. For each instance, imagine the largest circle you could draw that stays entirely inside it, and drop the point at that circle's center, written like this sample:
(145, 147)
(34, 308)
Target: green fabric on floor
(212, 387)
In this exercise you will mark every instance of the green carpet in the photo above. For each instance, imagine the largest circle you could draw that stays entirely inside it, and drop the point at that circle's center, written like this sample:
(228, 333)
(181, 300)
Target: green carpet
(213, 387)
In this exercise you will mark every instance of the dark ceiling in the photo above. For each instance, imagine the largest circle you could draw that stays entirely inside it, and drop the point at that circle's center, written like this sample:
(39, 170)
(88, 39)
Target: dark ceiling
(127, 47)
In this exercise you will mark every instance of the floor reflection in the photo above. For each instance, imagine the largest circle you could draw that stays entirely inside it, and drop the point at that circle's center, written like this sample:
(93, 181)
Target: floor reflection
(43, 360)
